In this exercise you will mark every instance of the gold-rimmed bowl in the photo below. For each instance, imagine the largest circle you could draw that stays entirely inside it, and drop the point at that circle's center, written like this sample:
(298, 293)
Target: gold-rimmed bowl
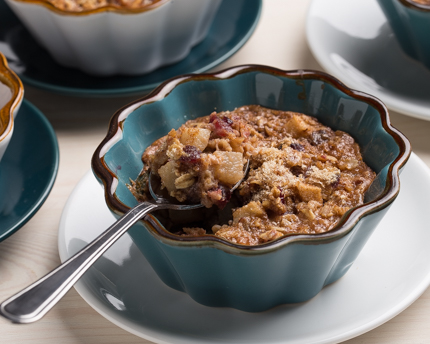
(118, 40)
(11, 95)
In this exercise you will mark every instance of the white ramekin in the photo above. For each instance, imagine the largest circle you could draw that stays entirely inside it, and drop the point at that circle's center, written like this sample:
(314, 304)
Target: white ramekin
(112, 41)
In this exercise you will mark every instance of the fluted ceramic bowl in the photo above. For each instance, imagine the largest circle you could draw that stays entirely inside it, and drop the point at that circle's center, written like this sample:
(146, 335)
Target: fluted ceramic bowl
(11, 95)
(113, 40)
(410, 22)
(294, 268)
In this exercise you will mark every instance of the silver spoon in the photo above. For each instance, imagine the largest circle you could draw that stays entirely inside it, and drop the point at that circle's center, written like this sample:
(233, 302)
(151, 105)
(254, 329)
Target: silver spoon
(33, 302)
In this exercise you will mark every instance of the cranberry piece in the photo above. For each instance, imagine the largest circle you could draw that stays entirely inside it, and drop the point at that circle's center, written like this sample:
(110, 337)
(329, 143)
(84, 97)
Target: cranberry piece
(225, 194)
(192, 155)
(297, 170)
(222, 125)
(227, 120)
(335, 184)
(297, 147)
(281, 196)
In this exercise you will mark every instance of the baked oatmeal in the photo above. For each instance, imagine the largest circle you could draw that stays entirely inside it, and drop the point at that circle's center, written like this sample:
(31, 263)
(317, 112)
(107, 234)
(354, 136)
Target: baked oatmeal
(422, 2)
(85, 5)
(303, 176)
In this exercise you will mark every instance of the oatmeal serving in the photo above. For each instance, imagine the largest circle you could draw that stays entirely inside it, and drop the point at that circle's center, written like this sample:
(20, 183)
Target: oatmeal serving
(422, 2)
(303, 176)
(84, 5)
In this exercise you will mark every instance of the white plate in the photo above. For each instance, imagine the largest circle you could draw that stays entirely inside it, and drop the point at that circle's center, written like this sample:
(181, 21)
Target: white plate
(392, 271)
(352, 41)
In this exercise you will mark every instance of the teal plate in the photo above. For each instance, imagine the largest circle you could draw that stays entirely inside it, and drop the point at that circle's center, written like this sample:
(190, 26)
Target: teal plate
(233, 25)
(28, 169)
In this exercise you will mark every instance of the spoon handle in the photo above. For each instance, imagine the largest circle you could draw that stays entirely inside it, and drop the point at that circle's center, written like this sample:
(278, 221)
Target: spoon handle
(33, 302)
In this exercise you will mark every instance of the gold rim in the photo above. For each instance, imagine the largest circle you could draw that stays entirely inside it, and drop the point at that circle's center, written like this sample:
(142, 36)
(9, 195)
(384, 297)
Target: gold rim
(10, 79)
(108, 8)
(416, 5)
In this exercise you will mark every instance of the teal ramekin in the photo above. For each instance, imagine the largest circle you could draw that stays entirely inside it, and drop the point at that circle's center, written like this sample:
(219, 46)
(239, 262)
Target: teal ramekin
(410, 22)
(294, 268)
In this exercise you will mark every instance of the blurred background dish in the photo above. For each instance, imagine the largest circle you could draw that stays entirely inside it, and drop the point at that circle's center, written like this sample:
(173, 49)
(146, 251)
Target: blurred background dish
(354, 42)
(410, 22)
(123, 287)
(28, 169)
(11, 95)
(233, 25)
(107, 39)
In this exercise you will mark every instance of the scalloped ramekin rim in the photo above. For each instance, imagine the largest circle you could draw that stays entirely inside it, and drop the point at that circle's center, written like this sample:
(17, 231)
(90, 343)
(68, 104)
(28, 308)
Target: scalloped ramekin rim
(10, 79)
(346, 223)
(109, 8)
(415, 5)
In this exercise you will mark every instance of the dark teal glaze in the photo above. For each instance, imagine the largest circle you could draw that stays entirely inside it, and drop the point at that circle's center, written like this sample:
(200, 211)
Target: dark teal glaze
(233, 25)
(295, 268)
(252, 283)
(411, 26)
(28, 169)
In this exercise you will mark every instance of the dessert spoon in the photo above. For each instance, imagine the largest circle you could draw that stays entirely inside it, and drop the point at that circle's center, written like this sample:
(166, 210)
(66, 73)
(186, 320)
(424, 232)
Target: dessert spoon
(34, 301)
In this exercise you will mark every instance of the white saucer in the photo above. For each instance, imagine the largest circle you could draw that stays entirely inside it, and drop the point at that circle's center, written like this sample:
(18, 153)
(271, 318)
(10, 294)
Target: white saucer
(353, 41)
(392, 271)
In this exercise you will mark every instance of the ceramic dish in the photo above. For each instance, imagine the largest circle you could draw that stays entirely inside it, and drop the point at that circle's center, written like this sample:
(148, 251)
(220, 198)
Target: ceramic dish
(410, 22)
(233, 25)
(28, 169)
(111, 40)
(123, 288)
(11, 95)
(355, 43)
(213, 271)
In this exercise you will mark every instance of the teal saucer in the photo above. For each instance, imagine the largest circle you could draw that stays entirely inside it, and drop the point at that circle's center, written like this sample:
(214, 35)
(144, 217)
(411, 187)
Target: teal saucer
(232, 27)
(28, 169)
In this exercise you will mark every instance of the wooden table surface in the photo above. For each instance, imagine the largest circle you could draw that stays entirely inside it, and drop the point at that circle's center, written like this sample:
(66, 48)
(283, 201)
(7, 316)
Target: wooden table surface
(81, 123)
